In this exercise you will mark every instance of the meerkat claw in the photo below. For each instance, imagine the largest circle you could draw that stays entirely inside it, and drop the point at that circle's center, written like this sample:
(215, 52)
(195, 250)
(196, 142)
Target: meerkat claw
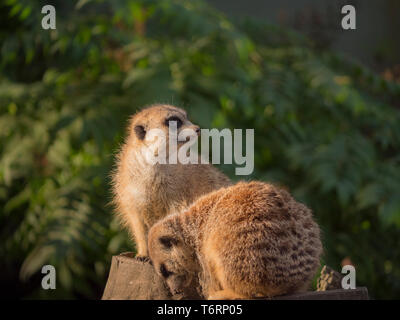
(143, 258)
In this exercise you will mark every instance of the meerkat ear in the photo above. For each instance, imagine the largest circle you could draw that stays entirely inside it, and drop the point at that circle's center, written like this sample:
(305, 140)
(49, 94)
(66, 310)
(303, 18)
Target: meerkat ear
(168, 241)
(140, 132)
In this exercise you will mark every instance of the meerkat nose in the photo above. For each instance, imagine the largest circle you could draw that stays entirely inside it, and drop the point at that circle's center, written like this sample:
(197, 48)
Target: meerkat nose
(197, 129)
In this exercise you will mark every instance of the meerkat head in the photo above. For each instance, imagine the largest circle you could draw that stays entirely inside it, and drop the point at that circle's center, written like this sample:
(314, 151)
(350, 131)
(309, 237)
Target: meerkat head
(149, 124)
(172, 259)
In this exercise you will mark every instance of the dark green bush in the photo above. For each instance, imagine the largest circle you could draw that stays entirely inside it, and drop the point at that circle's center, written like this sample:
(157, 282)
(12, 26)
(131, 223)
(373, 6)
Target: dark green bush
(325, 127)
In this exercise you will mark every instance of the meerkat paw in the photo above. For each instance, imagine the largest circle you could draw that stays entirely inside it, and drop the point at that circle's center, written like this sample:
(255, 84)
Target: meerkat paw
(143, 258)
(224, 295)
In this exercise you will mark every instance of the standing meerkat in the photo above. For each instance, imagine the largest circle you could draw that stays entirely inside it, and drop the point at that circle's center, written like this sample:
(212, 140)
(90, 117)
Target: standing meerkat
(144, 192)
(248, 240)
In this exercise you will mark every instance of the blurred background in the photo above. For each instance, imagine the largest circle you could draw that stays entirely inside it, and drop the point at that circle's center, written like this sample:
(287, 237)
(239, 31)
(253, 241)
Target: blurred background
(324, 103)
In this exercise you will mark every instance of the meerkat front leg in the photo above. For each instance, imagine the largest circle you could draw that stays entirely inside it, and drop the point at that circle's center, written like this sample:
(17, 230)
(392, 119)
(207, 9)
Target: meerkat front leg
(140, 231)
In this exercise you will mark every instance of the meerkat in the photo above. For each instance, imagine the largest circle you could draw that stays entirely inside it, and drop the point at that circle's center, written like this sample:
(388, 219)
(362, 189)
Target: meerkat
(248, 240)
(145, 192)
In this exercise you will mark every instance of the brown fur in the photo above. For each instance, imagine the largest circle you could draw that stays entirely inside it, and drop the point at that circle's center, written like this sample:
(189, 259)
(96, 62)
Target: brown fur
(145, 193)
(244, 241)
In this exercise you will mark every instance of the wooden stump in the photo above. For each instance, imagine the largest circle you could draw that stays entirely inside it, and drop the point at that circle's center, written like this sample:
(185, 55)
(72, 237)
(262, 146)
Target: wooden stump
(360, 293)
(133, 279)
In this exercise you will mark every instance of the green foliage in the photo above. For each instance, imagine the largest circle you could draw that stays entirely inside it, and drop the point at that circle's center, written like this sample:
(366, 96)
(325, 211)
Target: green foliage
(325, 127)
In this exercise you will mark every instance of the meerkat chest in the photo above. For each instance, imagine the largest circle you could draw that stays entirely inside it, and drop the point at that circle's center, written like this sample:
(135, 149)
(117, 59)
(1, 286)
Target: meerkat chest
(134, 196)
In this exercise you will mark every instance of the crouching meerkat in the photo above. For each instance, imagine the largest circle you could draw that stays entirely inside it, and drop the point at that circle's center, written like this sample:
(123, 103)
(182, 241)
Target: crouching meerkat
(145, 192)
(248, 240)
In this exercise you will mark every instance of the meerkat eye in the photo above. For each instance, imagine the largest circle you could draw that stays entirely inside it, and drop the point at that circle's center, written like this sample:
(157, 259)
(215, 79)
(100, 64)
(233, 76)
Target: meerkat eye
(140, 132)
(168, 242)
(164, 272)
(174, 118)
